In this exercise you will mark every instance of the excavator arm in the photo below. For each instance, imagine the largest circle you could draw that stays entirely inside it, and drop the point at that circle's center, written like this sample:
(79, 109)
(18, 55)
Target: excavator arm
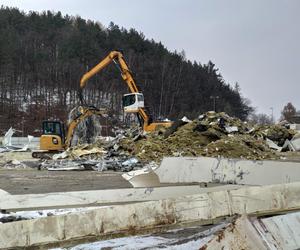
(84, 113)
(117, 58)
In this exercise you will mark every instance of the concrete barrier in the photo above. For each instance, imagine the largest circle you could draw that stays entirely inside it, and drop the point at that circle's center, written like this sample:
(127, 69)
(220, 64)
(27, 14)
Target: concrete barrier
(134, 217)
(206, 169)
(99, 197)
(216, 170)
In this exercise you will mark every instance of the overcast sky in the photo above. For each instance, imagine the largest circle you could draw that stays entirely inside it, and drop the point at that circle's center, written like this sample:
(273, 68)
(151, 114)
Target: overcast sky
(254, 42)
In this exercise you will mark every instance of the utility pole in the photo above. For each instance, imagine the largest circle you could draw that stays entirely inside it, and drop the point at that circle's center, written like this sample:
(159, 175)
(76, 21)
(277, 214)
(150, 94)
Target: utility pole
(214, 97)
(272, 114)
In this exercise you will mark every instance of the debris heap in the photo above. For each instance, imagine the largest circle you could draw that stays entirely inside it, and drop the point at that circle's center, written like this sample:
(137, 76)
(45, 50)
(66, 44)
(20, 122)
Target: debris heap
(212, 134)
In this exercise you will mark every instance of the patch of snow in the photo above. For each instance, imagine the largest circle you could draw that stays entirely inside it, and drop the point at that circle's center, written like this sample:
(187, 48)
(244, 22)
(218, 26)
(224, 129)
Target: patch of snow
(175, 242)
(44, 213)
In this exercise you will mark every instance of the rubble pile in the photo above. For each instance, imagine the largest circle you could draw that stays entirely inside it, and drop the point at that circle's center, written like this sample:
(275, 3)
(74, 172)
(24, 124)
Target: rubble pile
(276, 133)
(212, 134)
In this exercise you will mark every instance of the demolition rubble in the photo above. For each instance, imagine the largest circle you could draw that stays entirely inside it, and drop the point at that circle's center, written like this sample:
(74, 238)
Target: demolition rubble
(210, 183)
(211, 135)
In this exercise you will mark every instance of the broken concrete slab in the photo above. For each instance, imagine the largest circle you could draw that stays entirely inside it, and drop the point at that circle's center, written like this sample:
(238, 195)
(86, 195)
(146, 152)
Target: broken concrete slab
(276, 232)
(206, 169)
(273, 145)
(142, 178)
(239, 235)
(295, 144)
(281, 232)
(145, 215)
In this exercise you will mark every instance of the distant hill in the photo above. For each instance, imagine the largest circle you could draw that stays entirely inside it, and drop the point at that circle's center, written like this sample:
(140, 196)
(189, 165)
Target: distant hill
(43, 56)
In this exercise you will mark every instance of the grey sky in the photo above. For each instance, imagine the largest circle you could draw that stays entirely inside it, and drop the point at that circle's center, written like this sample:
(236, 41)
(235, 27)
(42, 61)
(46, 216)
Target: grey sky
(253, 42)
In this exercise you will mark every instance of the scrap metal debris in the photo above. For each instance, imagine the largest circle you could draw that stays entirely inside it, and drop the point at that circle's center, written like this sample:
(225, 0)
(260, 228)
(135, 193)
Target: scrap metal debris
(7, 143)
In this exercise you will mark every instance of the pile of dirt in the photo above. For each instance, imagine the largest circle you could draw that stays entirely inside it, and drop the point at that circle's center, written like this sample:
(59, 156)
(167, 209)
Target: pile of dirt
(213, 134)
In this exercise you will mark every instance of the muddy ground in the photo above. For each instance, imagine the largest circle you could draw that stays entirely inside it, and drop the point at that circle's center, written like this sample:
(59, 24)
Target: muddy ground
(30, 181)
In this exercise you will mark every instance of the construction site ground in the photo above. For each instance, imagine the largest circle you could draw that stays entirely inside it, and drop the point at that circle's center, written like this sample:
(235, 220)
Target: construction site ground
(30, 181)
(34, 181)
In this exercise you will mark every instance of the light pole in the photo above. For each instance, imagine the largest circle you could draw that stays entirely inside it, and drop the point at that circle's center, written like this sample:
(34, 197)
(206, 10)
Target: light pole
(214, 97)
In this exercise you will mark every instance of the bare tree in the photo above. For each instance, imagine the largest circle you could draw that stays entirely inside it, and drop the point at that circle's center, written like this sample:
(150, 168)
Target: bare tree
(288, 111)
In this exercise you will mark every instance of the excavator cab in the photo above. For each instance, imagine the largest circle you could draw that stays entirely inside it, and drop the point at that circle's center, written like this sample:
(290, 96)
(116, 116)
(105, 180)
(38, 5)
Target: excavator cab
(53, 136)
(133, 102)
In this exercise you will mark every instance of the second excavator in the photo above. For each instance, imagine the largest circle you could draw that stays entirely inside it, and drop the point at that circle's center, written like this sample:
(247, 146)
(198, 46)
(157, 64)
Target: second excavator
(132, 102)
(54, 138)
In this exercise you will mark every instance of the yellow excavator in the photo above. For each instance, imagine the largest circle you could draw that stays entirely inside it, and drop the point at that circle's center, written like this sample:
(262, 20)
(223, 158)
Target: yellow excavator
(54, 138)
(132, 102)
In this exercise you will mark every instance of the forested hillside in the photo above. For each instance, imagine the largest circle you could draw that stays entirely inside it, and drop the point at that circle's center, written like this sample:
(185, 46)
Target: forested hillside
(43, 56)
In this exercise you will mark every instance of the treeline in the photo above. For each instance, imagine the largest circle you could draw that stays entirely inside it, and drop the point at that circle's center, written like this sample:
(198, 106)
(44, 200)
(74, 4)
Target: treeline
(44, 55)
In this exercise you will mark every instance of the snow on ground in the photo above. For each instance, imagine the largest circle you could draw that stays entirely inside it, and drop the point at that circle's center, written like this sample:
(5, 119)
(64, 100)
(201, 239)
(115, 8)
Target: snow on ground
(183, 238)
(27, 215)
